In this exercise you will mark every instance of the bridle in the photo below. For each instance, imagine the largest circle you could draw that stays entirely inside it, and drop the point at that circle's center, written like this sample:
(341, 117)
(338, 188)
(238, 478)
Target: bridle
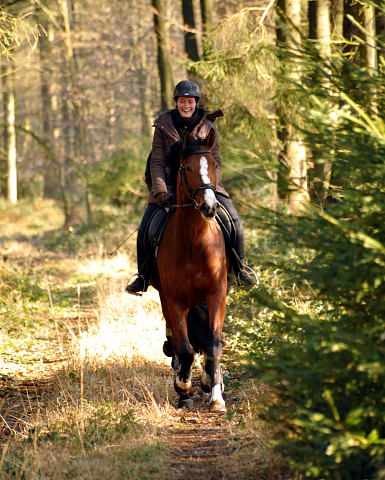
(190, 191)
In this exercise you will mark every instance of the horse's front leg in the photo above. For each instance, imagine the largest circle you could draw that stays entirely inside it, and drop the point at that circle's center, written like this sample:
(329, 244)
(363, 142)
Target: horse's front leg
(212, 368)
(185, 353)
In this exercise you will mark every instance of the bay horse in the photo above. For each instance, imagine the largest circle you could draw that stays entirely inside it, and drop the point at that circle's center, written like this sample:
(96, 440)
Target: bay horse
(192, 268)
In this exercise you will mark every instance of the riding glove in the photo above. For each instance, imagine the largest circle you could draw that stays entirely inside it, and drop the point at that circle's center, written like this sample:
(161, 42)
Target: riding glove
(161, 199)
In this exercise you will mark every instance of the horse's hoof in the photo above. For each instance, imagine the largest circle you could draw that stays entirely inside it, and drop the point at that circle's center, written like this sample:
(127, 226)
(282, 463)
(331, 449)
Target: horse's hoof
(217, 406)
(187, 403)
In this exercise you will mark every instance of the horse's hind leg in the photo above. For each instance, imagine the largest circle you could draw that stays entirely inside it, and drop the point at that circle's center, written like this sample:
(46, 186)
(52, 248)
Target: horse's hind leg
(205, 378)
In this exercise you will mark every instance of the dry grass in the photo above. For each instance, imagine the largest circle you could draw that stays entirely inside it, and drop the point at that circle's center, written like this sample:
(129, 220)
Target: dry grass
(111, 392)
(105, 409)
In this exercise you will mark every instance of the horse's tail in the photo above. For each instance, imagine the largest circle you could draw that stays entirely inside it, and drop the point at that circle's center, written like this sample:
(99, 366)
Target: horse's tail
(196, 327)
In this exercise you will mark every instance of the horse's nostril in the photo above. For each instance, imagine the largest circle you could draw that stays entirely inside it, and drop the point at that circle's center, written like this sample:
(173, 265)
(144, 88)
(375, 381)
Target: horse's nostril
(209, 211)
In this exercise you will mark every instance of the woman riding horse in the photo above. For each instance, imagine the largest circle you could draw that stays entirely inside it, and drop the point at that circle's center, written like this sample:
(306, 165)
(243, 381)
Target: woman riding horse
(170, 127)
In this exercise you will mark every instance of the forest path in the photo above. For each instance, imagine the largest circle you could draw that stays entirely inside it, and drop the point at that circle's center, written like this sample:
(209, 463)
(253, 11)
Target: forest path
(35, 356)
(217, 446)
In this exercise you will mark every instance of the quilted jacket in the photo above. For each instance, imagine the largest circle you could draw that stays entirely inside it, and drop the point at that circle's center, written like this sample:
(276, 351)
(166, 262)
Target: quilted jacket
(162, 174)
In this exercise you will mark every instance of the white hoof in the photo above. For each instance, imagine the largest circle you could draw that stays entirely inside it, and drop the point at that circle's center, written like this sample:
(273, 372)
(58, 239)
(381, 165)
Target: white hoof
(217, 404)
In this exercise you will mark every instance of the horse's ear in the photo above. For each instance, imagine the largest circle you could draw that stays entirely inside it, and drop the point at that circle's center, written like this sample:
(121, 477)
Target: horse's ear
(187, 138)
(210, 139)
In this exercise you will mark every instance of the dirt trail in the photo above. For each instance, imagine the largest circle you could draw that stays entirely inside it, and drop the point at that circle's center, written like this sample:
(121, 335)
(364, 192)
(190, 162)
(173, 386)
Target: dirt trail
(208, 444)
(196, 443)
(218, 446)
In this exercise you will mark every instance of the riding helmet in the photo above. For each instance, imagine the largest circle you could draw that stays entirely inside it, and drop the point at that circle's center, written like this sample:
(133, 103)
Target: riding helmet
(187, 88)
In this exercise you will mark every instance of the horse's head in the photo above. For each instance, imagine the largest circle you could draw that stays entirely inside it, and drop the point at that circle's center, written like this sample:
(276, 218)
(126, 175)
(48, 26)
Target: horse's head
(198, 179)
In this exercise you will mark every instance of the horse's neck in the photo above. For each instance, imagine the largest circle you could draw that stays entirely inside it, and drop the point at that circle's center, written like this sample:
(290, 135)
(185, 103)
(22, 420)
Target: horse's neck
(189, 221)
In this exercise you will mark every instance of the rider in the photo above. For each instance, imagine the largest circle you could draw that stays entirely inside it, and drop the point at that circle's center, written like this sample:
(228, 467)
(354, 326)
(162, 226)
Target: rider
(170, 127)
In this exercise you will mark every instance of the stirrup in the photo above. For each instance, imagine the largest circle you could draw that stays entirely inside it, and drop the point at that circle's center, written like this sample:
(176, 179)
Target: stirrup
(239, 281)
(138, 293)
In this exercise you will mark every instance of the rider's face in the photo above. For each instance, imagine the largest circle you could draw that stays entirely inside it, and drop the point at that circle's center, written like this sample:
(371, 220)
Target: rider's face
(186, 106)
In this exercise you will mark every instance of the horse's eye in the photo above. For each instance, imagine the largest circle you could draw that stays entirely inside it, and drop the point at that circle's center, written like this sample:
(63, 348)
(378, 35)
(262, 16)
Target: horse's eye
(188, 169)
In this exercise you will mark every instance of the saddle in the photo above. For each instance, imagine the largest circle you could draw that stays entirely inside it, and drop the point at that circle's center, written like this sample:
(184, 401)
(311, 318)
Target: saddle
(158, 223)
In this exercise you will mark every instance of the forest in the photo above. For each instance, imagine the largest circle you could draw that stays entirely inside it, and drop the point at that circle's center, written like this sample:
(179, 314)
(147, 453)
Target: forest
(85, 390)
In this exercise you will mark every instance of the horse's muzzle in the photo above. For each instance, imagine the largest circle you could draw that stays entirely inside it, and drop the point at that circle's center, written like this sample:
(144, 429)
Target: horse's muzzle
(208, 212)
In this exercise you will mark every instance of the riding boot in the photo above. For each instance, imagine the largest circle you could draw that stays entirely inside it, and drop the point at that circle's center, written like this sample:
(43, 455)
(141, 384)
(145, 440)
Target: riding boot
(239, 264)
(140, 284)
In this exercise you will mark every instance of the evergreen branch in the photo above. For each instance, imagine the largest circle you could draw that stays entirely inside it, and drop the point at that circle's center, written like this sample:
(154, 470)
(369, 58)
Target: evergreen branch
(368, 241)
(362, 113)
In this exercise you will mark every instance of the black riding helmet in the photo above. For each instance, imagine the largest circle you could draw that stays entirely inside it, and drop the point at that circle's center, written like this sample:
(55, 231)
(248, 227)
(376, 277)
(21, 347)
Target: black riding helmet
(187, 88)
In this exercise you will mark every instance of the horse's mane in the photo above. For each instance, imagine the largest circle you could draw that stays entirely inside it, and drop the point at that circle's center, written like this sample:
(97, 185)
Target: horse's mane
(177, 151)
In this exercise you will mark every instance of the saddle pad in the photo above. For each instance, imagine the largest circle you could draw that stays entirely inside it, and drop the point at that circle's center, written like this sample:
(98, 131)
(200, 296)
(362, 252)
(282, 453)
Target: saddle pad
(226, 223)
(155, 229)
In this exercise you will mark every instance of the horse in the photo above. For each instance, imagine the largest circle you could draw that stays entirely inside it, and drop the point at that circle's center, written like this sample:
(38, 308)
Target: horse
(192, 269)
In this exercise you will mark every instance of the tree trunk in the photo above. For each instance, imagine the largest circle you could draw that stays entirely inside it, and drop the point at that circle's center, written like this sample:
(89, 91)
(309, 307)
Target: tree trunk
(207, 22)
(371, 44)
(321, 174)
(323, 28)
(164, 60)
(312, 17)
(70, 120)
(293, 13)
(207, 16)
(9, 89)
(190, 39)
(142, 68)
(49, 103)
(338, 17)
(295, 149)
(380, 29)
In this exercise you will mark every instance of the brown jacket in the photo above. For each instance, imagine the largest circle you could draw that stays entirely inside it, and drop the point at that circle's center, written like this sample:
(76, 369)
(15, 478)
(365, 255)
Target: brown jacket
(164, 136)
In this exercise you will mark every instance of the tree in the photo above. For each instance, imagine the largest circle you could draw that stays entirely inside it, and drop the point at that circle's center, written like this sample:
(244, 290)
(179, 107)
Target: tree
(164, 61)
(207, 16)
(190, 39)
(338, 20)
(321, 173)
(11, 29)
(9, 97)
(369, 25)
(294, 148)
(326, 366)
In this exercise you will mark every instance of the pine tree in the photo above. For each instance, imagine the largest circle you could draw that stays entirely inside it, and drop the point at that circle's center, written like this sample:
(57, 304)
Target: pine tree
(327, 367)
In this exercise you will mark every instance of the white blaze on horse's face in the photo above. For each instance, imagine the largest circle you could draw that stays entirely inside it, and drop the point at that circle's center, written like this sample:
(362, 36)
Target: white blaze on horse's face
(210, 198)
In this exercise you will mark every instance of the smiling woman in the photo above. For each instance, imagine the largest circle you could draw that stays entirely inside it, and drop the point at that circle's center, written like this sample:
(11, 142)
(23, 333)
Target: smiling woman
(186, 106)
(170, 127)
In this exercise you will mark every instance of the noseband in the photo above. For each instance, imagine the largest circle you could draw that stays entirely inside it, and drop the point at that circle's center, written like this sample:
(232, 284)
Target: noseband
(204, 186)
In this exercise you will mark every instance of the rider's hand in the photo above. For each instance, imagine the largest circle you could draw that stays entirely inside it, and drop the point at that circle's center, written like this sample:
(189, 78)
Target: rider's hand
(161, 198)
